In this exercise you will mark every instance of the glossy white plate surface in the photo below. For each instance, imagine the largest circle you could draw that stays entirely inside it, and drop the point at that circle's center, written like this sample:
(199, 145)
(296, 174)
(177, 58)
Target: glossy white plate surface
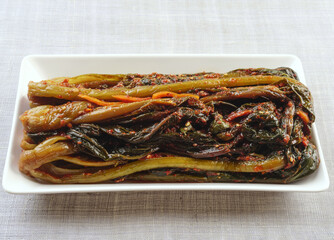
(38, 67)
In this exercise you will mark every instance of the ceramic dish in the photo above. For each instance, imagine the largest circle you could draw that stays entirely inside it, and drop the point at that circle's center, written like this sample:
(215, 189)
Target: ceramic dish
(36, 68)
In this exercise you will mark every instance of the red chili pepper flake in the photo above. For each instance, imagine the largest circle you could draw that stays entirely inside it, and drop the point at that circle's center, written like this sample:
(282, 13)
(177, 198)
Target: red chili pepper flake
(65, 83)
(168, 172)
(212, 174)
(62, 122)
(69, 125)
(79, 142)
(246, 158)
(258, 168)
(119, 180)
(68, 137)
(110, 131)
(202, 93)
(196, 169)
(305, 141)
(286, 139)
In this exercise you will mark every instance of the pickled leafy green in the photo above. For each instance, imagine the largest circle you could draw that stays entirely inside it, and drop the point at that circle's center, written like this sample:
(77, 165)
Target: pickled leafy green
(247, 125)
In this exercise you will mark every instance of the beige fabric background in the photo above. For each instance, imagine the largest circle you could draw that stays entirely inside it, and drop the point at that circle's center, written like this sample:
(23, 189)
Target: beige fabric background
(304, 28)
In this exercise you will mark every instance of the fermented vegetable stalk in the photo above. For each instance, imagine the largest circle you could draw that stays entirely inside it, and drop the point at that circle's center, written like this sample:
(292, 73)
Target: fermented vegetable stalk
(247, 125)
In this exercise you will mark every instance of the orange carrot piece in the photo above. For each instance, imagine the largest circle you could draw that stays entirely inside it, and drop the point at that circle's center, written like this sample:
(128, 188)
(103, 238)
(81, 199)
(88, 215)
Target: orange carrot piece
(129, 99)
(238, 114)
(97, 101)
(165, 94)
(303, 115)
(188, 95)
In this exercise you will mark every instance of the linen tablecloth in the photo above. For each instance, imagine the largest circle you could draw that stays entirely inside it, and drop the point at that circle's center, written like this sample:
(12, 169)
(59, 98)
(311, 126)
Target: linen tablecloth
(303, 28)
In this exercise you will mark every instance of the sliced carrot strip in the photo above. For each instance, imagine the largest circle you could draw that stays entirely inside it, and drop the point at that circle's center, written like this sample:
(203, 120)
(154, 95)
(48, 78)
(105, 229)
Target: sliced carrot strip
(188, 95)
(303, 115)
(165, 94)
(129, 99)
(97, 101)
(238, 114)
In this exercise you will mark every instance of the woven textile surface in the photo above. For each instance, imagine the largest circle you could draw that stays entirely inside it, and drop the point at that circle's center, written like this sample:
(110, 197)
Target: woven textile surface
(303, 28)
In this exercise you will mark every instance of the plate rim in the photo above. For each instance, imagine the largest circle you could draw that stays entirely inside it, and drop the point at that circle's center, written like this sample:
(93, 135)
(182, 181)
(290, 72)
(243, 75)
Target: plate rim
(109, 187)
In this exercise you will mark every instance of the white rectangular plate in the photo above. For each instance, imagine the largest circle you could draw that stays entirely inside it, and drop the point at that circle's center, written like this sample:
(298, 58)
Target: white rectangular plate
(36, 68)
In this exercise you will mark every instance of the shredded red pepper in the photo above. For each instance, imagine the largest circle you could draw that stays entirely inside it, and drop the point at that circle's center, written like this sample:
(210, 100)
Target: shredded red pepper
(129, 99)
(303, 115)
(235, 115)
(166, 94)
